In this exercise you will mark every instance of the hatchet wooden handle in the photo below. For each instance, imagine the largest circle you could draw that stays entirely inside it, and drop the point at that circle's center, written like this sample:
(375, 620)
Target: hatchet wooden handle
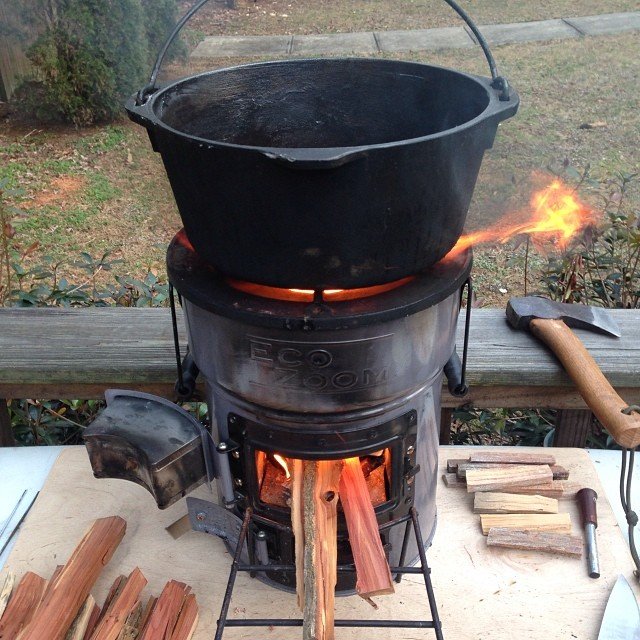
(595, 389)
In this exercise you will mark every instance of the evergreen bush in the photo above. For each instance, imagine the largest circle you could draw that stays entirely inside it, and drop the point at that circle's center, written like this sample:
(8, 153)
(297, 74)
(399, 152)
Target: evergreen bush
(92, 54)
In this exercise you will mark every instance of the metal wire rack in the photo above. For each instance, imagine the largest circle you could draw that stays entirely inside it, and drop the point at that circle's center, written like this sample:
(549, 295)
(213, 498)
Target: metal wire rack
(411, 523)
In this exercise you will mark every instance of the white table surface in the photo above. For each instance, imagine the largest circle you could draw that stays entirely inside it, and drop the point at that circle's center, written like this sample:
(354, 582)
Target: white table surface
(27, 468)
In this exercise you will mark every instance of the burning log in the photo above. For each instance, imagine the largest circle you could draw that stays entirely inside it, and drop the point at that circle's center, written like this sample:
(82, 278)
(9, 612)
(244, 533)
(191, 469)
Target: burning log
(372, 568)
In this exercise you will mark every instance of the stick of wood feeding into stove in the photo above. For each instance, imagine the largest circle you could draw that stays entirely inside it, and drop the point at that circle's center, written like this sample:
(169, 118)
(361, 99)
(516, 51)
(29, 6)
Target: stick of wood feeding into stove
(372, 568)
(297, 524)
(320, 500)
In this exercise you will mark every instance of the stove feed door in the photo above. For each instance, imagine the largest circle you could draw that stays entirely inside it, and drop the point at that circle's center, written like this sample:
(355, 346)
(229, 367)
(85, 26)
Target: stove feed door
(150, 441)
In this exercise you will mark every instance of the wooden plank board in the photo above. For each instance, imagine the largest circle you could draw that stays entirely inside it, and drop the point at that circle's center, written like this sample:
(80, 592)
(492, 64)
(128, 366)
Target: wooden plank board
(559, 522)
(558, 472)
(560, 489)
(471, 581)
(497, 502)
(512, 457)
(513, 476)
(79, 352)
(545, 541)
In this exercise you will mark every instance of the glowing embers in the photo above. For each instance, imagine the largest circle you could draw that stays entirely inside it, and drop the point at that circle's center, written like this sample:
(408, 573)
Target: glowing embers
(309, 295)
(274, 478)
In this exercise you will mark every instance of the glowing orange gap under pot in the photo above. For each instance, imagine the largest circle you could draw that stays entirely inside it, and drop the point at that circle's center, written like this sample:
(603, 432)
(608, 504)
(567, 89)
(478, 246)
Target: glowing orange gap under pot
(308, 295)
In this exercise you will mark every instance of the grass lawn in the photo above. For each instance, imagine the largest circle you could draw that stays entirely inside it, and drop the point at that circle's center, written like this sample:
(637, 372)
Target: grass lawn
(323, 16)
(103, 189)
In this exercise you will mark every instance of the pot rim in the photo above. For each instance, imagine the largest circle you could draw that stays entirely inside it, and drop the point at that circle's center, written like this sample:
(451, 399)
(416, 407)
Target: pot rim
(145, 114)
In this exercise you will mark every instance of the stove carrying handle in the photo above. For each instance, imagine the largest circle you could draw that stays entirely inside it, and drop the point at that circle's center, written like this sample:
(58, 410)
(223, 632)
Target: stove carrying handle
(498, 82)
(456, 370)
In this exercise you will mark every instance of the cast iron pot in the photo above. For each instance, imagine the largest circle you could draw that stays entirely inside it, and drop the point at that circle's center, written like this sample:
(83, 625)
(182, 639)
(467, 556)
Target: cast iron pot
(323, 173)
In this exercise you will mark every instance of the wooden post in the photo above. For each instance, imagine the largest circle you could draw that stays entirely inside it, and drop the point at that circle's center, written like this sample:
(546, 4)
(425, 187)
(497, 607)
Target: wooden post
(6, 433)
(446, 414)
(572, 428)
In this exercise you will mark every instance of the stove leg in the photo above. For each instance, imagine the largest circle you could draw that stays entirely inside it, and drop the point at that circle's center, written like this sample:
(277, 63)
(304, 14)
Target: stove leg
(403, 551)
(232, 575)
(426, 571)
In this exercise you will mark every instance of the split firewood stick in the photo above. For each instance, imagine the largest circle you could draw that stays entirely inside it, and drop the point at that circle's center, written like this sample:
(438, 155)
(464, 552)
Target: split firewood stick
(558, 522)
(512, 457)
(320, 498)
(5, 591)
(166, 610)
(24, 600)
(452, 480)
(372, 567)
(187, 620)
(70, 589)
(94, 618)
(559, 489)
(146, 615)
(561, 543)
(500, 479)
(119, 609)
(131, 628)
(558, 472)
(452, 464)
(114, 590)
(297, 526)
(79, 626)
(490, 502)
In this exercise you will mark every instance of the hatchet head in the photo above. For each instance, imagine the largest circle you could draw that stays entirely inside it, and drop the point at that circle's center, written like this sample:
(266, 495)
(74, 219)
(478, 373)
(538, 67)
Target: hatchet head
(520, 312)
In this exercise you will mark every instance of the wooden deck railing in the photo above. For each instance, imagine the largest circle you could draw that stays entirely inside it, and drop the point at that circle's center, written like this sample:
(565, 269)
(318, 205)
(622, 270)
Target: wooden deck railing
(78, 353)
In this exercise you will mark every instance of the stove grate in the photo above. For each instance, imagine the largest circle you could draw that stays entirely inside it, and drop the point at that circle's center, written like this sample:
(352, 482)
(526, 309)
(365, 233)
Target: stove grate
(411, 523)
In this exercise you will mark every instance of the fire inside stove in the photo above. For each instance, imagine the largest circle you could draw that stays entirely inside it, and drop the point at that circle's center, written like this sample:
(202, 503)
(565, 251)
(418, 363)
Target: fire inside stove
(309, 295)
(275, 483)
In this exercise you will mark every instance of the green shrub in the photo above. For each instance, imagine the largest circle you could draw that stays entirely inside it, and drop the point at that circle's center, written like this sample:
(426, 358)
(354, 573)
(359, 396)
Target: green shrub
(92, 55)
(602, 267)
(160, 18)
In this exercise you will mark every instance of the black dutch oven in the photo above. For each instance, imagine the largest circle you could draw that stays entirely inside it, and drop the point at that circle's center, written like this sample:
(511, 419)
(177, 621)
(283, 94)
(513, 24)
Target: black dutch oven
(324, 173)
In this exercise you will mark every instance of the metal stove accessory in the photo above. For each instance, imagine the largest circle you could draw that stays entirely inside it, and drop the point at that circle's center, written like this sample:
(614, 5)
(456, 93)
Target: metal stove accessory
(213, 519)
(152, 442)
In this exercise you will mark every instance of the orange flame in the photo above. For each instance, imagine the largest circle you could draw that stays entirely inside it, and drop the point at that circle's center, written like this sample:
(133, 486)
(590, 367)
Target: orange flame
(556, 213)
(308, 295)
(283, 463)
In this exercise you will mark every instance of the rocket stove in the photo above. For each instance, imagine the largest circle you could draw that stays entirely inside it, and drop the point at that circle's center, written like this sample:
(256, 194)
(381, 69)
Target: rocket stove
(321, 200)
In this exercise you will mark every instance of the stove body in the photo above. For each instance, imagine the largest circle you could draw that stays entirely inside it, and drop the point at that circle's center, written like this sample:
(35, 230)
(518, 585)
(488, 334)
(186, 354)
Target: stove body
(322, 379)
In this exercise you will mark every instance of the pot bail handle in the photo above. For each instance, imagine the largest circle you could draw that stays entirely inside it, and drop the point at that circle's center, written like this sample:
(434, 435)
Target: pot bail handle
(146, 91)
(499, 83)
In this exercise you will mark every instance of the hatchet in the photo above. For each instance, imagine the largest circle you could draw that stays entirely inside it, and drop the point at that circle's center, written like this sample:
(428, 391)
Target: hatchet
(550, 321)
